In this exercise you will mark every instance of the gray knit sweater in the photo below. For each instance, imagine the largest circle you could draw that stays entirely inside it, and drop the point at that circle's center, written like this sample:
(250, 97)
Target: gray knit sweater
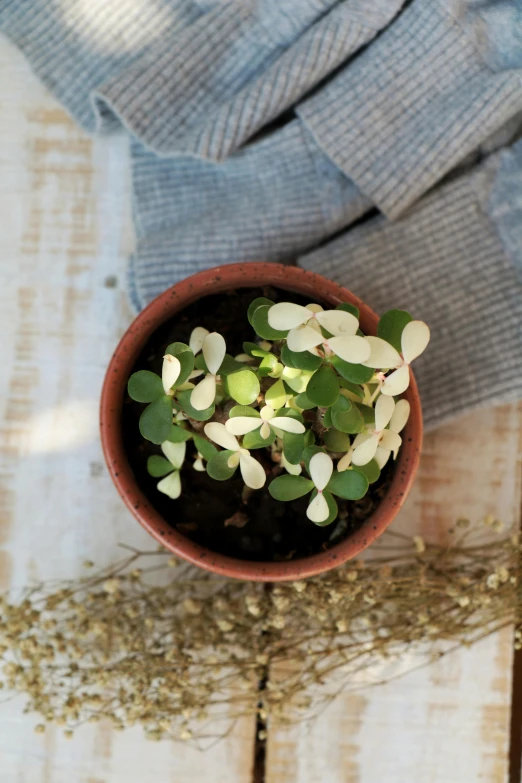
(261, 128)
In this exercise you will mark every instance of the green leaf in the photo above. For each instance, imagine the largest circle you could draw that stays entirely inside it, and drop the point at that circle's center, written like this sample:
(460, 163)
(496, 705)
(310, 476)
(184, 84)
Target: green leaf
(336, 441)
(290, 487)
(304, 401)
(186, 359)
(253, 349)
(349, 308)
(346, 416)
(350, 484)
(293, 446)
(296, 380)
(229, 365)
(184, 401)
(356, 373)
(243, 410)
(263, 329)
(309, 438)
(391, 327)
(300, 360)
(252, 307)
(158, 466)
(371, 470)
(327, 419)
(242, 386)
(145, 386)
(276, 395)
(291, 413)
(178, 434)
(205, 448)
(323, 387)
(200, 363)
(217, 466)
(156, 420)
(352, 387)
(253, 440)
(308, 453)
(367, 412)
(267, 365)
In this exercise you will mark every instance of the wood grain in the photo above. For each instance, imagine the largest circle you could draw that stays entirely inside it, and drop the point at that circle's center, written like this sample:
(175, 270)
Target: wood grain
(448, 723)
(65, 238)
(66, 234)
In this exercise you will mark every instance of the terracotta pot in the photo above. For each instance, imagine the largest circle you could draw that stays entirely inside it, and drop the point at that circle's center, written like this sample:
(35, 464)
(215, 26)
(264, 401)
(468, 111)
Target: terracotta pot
(163, 308)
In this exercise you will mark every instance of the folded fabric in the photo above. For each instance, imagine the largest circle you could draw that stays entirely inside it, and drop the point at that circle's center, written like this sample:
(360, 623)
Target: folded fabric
(456, 262)
(443, 77)
(223, 78)
(196, 83)
(271, 200)
(194, 76)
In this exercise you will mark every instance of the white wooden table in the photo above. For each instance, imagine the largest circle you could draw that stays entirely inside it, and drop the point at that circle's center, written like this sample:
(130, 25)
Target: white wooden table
(65, 234)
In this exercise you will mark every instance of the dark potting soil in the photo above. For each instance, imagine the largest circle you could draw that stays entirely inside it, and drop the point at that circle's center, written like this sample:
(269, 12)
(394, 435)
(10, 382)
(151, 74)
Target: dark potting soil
(221, 515)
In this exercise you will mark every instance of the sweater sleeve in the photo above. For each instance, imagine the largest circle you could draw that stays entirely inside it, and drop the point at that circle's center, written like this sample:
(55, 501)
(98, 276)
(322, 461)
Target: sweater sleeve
(445, 76)
(454, 261)
(196, 77)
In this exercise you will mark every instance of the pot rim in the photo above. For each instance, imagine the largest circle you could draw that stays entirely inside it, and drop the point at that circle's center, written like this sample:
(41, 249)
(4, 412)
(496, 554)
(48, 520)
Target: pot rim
(173, 300)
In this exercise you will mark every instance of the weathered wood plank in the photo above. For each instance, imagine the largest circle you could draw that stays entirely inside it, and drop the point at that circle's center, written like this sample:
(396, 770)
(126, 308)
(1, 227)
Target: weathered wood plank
(448, 723)
(65, 236)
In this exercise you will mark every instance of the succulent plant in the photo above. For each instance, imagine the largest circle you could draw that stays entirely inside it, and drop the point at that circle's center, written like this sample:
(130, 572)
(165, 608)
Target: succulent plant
(312, 391)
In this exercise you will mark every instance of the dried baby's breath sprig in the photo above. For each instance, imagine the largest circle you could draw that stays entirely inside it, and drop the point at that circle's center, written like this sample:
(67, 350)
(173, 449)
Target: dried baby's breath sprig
(310, 382)
(181, 657)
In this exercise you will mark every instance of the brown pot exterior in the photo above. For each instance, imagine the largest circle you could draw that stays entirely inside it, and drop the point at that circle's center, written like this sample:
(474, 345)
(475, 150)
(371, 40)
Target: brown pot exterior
(175, 299)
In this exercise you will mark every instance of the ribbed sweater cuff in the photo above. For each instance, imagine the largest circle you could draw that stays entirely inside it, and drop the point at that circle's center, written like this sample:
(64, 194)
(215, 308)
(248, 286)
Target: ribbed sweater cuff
(412, 106)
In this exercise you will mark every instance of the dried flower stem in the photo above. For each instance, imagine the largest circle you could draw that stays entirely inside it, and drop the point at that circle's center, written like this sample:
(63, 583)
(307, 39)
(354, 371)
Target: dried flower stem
(181, 657)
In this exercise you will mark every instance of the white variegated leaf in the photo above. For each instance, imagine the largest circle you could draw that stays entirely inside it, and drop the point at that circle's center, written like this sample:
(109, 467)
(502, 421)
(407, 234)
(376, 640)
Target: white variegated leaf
(391, 441)
(415, 337)
(199, 465)
(220, 435)
(338, 322)
(214, 350)
(233, 460)
(381, 457)
(354, 349)
(252, 471)
(294, 470)
(265, 430)
(400, 416)
(396, 382)
(204, 394)
(240, 425)
(321, 469)
(267, 412)
(170, 372)
(318, 510)
(365, 452)
(303, 338)
(313, 323)
(383, 356)
(197, 338)
(384, 408)
(174, 452)
(345, 462)
(171, 485)
(286, 315)
(287, 424)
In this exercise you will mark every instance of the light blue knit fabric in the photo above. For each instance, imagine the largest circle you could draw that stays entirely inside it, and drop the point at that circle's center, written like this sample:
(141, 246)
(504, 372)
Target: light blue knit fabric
(261, 128)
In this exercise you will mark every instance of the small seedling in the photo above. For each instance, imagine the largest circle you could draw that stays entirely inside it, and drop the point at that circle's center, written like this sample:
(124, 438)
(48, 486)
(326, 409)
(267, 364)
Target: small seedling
(312, 395)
